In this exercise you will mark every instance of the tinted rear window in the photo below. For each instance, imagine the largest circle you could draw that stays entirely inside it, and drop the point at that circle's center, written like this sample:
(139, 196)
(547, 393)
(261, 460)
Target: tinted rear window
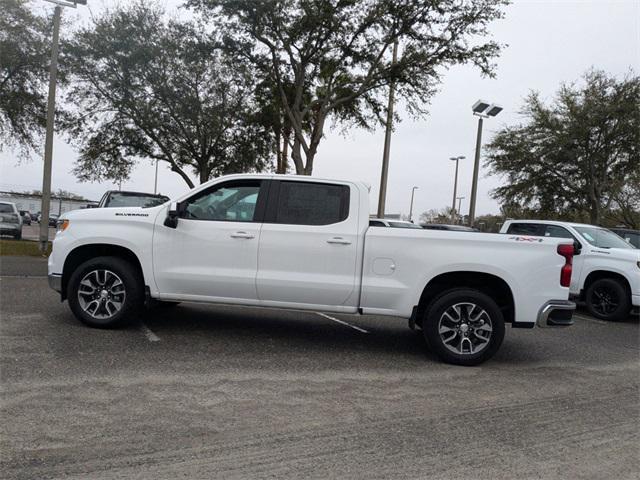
(305, 203)
(524, 229)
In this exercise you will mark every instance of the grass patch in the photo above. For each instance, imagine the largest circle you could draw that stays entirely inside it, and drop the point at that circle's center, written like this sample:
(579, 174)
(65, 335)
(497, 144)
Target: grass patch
(21, 247)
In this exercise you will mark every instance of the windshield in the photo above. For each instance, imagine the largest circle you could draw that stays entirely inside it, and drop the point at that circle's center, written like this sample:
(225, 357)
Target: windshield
(122, 199)
(601, 238)
(404, 225)
(6, 208)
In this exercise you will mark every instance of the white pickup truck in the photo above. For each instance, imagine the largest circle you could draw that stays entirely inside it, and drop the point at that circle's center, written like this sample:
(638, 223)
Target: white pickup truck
(305, 243)
(606, 268)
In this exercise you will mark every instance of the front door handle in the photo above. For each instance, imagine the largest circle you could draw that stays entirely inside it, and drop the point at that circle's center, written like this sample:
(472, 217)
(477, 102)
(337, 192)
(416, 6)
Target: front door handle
(339, 241)
(242, 235)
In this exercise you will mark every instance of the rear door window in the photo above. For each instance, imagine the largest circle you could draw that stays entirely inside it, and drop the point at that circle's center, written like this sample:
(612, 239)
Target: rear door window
(307, 203)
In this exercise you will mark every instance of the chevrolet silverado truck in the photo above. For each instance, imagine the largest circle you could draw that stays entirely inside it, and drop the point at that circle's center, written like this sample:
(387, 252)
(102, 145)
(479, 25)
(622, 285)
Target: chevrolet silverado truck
(305, 243)
(606, 268)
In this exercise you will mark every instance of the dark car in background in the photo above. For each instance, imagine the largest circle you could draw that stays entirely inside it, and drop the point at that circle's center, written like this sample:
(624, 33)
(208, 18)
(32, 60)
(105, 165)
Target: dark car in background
(441, 226)
(117, 198)
(53, 219)
(26, 217)
(630, 235)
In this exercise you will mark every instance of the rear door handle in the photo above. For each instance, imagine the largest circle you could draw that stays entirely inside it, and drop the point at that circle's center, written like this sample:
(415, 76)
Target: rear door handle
(242, 235)
(339, 241)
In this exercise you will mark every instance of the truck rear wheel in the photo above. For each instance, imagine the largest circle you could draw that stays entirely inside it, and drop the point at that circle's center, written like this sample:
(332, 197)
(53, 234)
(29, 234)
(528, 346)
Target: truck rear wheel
(607, 299)
(464, 327)
(105, 292)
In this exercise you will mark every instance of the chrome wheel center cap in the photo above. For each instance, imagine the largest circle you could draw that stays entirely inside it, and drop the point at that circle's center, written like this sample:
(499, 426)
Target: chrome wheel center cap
(464, 327)
(104, 294)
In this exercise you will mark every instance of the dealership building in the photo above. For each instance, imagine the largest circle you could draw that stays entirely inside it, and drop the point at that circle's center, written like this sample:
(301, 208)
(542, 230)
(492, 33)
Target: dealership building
(33, 202)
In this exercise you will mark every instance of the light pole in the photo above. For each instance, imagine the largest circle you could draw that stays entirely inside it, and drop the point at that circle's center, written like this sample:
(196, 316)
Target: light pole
(51, 110)
(413, 190)
(155, 183)
(455, 186)
(459, 205)
(387, 140)
(482, 110)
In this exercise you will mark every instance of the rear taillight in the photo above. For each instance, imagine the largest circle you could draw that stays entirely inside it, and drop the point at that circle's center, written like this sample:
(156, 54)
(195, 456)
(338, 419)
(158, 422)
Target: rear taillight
(565, 273)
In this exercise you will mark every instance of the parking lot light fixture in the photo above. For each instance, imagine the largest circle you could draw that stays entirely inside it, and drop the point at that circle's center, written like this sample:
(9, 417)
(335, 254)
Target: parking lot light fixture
(455, 186)
(482, 109)
(413, 190)
(459, 199)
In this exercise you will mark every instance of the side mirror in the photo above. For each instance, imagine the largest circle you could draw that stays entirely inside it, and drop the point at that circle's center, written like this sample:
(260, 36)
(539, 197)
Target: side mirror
(172, 215)
(577, 247)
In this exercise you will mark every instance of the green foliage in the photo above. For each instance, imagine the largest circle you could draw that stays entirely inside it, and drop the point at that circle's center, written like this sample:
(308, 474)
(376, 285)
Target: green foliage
(25, 46)
(148, 87)
(576, 158)
(330, 59)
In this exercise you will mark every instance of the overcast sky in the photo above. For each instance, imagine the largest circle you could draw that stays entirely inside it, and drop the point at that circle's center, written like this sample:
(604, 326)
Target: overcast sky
(549, 42)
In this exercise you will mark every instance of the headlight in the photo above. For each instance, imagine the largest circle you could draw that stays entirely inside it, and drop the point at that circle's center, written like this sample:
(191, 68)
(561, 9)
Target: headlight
(62, 225)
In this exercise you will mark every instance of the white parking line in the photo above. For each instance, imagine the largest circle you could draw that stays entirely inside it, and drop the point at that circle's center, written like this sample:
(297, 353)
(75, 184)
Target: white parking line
(152, 337)
(342, 322)
(589, 319)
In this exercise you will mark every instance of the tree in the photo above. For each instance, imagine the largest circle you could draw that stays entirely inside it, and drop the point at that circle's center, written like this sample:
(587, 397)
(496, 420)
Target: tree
(434, 215)
(575, 157)
(25, 47)
(148, 87)
(329, 59)
(626, 203)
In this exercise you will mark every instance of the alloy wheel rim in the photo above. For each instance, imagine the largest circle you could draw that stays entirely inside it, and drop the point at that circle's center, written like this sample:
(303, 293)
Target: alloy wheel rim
(101, 294)
(604, 300)
(465, 328)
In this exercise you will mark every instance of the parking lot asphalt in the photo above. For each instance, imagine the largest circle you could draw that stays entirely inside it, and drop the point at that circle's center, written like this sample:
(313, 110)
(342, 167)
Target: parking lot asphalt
(230, 392)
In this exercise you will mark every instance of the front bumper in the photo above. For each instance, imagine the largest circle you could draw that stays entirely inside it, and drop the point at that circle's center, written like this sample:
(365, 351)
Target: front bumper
(10, 227)
(55, 281)
(556, 313)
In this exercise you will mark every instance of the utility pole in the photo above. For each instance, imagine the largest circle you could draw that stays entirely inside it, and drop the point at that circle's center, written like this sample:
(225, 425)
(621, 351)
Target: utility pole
(413, 190)
(387, 140)
(48, 143)
(51, 112)
(455, 187)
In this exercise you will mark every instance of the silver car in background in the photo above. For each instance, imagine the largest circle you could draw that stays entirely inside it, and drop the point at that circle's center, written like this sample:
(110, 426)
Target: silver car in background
(10, 220)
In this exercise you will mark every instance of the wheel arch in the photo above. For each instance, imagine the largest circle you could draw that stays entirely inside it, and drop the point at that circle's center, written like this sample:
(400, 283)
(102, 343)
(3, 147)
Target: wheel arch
(600, 274)
(492, 285)
(86, 252)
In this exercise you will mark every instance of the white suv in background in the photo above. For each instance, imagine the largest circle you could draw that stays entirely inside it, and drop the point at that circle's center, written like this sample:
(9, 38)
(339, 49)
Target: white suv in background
(606, 269)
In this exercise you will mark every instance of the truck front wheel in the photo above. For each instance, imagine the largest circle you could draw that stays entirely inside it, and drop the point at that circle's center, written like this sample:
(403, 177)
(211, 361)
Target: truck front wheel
(464, 327)
(105, 292)
(607, 299)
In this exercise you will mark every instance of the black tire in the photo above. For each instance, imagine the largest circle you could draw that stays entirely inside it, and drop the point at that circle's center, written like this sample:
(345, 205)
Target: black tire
(133, 287)
(18, 236)
(487, 315)
(608, 299)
